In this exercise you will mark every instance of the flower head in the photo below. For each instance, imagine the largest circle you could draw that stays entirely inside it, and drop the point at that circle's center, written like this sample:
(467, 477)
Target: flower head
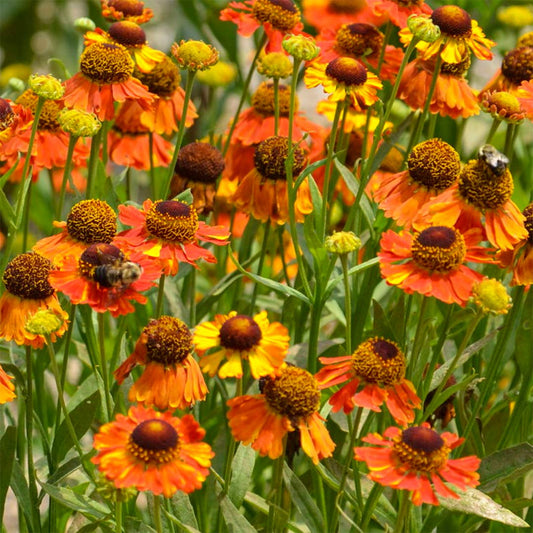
(491, 296)
(153, 451)
(7, 389)
(374, 374)
(423, 28)
(342, 242)
(44, 322)
(417, 459)
(133, 10)
(79, 123)
(194, 55)
(503, 105)
(172, 378)
(218, 75)
(274, 65)
(46, 86)
(84, 24)
(301, 47)
(232, 338)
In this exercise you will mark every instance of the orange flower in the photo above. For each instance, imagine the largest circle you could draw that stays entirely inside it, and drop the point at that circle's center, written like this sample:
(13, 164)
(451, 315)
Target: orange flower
(525, 97)
(517, 68)
(374, 374)
(417, 459)
(398, 11)
(106, 278)
(169, 231)
(88, 222)
(287, 403)
(7, 389)
(28, 291)
(432, 261)
(105, 77)
(14, 119)
(133, 10)
(236, 337)
(171, 378)
(153, 451)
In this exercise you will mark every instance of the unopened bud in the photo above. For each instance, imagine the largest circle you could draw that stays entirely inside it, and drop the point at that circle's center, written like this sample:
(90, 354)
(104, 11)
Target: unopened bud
(84, 24)
(423, 28)
(301, 47)
(43, 322)
(491, 296)
(46, 86)
(274, 65)
(79, 123)
(194, 55)
(342, 242)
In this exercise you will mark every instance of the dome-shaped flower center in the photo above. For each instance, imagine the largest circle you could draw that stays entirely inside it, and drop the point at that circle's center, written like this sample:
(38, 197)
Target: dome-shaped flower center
(154, 442)
(129, 8)
(480, 186)
(6, 114)
(438, 249)
(200, 162)
(294, 393)
(106, 63)
(282, 14)
(99, 255)
(168, 340)
(92, 221)
(456, 69)
(163, 79)
(172, 221)
(26, 276)
(434, 164)
(528, 213)
(49, 112)
(517, 65)
(453, 21)
(270, 156)
(348, 71)
(358, 39)
(346, 6)
(127, 33)
(263, 99)
(422, 449)
(505, 103)
(240, 332)
(379, 361)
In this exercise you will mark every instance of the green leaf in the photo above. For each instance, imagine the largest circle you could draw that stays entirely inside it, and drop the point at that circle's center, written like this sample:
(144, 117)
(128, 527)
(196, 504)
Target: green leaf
(234, 520)
(176, 521)
(242, 468)
(318, 205)
(505, 465)
(7, 457)
(303, 501)
(184, 511)
(22, 493)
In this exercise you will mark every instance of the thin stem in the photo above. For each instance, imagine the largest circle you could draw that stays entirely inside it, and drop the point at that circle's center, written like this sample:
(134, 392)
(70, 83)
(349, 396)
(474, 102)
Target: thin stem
(510, 136)
(66, 171)
(192, 302)
(403, 512)
(157, 514)
(262, 256)
(276, 105)
(160, 296)
(103, 364)
(93, 162)
(495, 125)
(274, 521)
(118, 516)
(347, 301)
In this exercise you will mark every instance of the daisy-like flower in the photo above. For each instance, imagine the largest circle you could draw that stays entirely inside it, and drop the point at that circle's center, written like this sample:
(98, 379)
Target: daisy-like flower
(171, 378)
(105, 77)
(452, 96)
(459, 34)
(525, 97)
(88, 222)
(169, 230)
(432, 167)
(263, 191)
(432, 261)
(374, 374)
(277, 17)
(288, 402)
(344, 78)
(153, 451)
(132, 37)
(7, 389)
(417, 459)
(503, 105)
(398, 11)
(28, 291)
(198, 168)
(233, 337)
(106, 278)
(517, 68)
(132, 10)
(483, 190)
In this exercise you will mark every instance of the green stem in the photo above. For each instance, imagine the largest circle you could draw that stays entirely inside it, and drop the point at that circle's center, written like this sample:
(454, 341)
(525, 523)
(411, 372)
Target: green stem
(417, 343)
(192, 301)
(160, 296)
(276, 105)
(264, 246)
(103, 365)
(314, 331)
(347, 301)
(118, 516)
(510, 136)
(403, 512)
(66, 171)
(93, 162)
(274, 521)
(157, 514)
(495, 125)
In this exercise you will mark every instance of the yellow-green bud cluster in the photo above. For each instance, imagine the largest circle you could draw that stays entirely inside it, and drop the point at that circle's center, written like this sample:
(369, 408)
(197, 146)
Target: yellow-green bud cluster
(301, 47)
(46, 86)
(491, 296)
(274, 65)
(423, 28)
(194, 55)
(79, 123)
(342, 242)
(43, 322)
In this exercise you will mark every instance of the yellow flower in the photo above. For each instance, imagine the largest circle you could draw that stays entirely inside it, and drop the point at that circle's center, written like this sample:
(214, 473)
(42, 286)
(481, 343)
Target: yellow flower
(516, 16)
(491, 296)
(194, 55)
(46, 86)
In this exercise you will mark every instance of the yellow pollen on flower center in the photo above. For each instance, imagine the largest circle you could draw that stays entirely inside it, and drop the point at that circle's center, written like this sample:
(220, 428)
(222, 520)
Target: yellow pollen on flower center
(422, 449)
(172, 221)
(49, 112)
(359, 39)
(92, 221)
(163, 79)
(270, 156)
(200, 162)
(348, 71)
(379, 361)
(7, 117)
(453, 21)
(26, 276)
(294, 393)
(528, 213)
(439, 249)
(346, 6)
(154, 442)
(106, 63)
(517, 65)
(168, 340)
(240, 332)
(263, 100)
(127, 33)
(282, 14)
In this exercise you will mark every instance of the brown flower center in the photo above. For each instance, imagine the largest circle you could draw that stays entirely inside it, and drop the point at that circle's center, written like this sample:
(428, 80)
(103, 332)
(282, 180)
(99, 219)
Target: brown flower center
(282, 14)
(49, 112)
(106, 63)
(154, 442)
(294, 393)
(200, 162)
(456, 69)
(96, 256)
(358, 39)
(347, 70)
(434, 164)
(438, 249)
(127, 33)
(168, 340)
(163, 79)
(517, 65)
(129, 8)
(379, 361)
(7, 116)
(240, 332)
(453, 21)
(422, 449)
(263, 100)
(528, 213)
(26, 276)
(92, 221)
(346, 6)
(172, 221)
(270, 157)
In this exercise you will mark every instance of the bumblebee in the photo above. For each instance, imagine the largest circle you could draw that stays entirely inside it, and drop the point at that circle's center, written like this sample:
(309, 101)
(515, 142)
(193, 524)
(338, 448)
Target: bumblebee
(118, 275)
(496, 161)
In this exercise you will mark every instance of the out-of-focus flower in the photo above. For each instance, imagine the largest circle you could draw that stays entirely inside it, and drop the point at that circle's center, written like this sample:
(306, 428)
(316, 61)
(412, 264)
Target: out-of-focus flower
(7, 389)
(417, 459)
(219, 75)
(398, 11)
(233, 338)
(491, 296)
(171, 378)
(14, 120)
(153, 451)
(287, 403)
(46, 86)
(194, 55)
(132, 10)
(517, 67)
(525, 97)
(516, 16)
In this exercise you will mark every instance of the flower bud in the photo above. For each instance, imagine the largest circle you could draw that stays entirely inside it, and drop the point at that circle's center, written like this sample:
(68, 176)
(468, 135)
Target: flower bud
(79, 123)
(43, 322)
(423, 28)
(84, 24)
(342, 242)
(274, 65)
(491, 296)
(16, 84)
(194, 55)
(301, 47)
(46, 86)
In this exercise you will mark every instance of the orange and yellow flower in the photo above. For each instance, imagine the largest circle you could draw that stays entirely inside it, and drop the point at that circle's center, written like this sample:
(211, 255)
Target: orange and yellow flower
(154, 451)
(374, 374)
(171, 378)
(133, 10)
(7, 389)
(398, 11)
(516, 69)
(233, 338)
(287, 403)
(417, 459)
